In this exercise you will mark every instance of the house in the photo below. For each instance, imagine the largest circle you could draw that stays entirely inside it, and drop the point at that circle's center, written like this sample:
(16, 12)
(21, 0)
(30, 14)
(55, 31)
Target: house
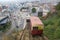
(45, 12)
(36, 6)
(41, 9)
(5, 12)
(24, 9)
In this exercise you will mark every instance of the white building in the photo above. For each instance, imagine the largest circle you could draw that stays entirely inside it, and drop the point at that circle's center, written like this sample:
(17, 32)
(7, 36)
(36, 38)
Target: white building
(45, 12)
(5, 12)
(42, 8)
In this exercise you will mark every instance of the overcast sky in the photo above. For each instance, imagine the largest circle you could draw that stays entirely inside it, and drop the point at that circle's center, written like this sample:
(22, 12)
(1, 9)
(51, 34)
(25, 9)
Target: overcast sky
(27, 0)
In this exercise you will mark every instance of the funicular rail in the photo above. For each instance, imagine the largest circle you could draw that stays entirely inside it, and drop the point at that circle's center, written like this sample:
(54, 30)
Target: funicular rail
(26, 35)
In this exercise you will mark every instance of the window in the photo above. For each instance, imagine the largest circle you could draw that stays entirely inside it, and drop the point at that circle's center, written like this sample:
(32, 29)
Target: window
(35, 28)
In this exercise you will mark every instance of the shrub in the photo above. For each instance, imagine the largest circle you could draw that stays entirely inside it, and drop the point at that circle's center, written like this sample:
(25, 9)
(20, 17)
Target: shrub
(57, 33)
(5, 26)
(33, 10)
(49, 31)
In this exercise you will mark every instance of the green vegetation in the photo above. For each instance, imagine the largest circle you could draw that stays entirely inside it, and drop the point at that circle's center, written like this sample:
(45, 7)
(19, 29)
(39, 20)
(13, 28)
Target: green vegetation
(52, 24)
(33, 10)
(58, 6)
(5, 26)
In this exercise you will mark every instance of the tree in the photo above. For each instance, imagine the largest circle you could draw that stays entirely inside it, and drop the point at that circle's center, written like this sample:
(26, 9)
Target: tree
(33, 10)
(58, 6)
(58, 9)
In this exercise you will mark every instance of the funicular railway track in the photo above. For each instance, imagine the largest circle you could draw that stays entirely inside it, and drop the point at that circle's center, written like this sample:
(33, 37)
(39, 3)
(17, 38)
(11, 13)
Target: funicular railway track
(26, 35)
(38, 38)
